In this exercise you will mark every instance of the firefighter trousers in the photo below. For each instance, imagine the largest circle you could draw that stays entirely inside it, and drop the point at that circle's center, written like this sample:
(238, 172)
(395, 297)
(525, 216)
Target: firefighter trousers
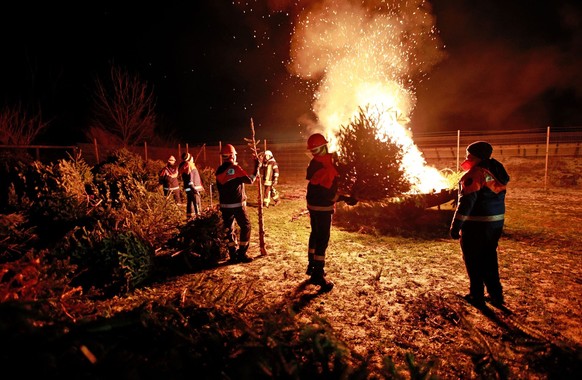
(479, 241)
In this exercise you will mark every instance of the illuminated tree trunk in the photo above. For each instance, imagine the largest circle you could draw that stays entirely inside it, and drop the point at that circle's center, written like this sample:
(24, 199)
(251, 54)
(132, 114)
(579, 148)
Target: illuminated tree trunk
(253, 144)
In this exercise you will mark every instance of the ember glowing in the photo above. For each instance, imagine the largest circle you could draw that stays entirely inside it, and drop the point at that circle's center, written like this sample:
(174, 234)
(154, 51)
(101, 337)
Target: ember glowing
(369, 55)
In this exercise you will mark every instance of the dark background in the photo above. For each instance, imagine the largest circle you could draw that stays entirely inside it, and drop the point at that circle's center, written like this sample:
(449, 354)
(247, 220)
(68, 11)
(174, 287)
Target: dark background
(214, 65)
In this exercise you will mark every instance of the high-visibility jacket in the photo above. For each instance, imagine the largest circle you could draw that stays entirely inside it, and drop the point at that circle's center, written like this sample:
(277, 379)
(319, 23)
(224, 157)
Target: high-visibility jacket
(169, 178)
(270, 172)
(230, 183)
(482, 194)
(191, 177)
(322, 174)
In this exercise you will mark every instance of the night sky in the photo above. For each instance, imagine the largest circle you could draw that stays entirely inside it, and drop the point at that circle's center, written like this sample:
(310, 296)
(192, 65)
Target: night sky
(214, 65)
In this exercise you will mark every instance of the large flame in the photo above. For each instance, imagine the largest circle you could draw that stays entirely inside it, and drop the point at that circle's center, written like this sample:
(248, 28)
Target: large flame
(367, 55)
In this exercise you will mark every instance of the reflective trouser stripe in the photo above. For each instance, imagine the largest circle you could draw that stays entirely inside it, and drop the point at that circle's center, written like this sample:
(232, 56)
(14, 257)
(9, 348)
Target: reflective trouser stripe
(233, 205)
(478, 218)
(320, 208)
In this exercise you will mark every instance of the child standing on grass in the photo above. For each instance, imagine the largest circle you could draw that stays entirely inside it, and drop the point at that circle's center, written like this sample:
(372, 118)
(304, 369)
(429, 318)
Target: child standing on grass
(478, 221)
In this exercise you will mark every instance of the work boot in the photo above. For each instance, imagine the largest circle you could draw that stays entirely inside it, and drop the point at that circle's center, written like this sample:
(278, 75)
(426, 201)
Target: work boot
(241, 255)
(497, 301)
(325, 285)
(233, 260)
(244, 259)
(477, 301)
(318, 278)
(233, 257)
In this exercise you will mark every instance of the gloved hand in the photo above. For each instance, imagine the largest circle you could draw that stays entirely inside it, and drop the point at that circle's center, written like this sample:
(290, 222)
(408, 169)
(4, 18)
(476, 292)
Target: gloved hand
(455, 230)
(351, 201)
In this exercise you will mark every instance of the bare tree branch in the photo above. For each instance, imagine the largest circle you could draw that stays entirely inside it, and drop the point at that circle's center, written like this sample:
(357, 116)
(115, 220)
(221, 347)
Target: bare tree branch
(123, 108)
(18, 127)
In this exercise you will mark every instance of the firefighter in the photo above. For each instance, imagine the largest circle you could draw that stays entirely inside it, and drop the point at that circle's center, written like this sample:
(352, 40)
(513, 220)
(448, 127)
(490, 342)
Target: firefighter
(192, 185)
(322, 195)
(230, 183)
(270, 179)
(478, 221)
(169, 180)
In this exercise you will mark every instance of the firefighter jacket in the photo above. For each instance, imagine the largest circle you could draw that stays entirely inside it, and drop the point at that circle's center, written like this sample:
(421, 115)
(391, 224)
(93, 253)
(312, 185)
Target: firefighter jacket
(191, 177)
(482, 195)
(230, 183)
(169, 178)
(322, 174)
(270, 172)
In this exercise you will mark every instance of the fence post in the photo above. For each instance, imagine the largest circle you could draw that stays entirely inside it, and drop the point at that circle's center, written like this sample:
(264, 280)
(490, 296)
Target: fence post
(458, 144)
(96, 150)
(210, 190)
(145, 150)
(220, 151)
(547, 153)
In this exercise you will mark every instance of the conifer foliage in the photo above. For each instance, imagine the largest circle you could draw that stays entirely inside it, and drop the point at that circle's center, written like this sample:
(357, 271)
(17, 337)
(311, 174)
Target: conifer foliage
(370, 160)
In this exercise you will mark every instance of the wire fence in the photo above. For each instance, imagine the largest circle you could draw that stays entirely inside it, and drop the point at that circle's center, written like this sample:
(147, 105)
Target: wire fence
(293, 157)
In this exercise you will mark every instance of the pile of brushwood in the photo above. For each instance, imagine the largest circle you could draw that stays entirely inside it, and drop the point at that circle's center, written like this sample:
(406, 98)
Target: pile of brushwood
(75, 236)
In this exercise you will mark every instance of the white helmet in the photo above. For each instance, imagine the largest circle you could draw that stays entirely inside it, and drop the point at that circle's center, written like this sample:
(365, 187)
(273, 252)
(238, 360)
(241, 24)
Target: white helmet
(268, 155)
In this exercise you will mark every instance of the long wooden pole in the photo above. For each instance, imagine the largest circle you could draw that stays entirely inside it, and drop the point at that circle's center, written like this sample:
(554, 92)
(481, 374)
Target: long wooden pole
(253, 145)
(200, 151)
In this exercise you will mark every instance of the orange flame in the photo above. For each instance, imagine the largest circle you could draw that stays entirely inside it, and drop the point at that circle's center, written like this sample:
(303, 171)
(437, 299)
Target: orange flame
(366, 56)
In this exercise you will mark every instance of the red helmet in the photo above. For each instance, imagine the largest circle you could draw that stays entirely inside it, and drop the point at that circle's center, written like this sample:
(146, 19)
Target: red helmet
(228, 150)
(315, 141)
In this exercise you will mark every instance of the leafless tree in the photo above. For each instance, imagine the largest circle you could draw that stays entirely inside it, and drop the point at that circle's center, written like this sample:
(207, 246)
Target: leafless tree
(123, 109)
(18, 127)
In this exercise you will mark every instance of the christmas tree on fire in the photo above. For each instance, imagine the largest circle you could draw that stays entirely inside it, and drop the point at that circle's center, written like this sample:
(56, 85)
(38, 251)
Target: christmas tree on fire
(370, 160)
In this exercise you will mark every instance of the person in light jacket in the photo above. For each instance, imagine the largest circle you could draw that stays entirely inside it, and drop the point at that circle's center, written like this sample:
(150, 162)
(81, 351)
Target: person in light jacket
(192, 185)
(270, 177)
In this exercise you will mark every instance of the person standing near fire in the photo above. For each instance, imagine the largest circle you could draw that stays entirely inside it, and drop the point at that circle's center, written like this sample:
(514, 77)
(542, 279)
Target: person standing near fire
(192, 185)
(270, 177)
(478, 222)
(322, 195)
(168, 178)
(230, 183)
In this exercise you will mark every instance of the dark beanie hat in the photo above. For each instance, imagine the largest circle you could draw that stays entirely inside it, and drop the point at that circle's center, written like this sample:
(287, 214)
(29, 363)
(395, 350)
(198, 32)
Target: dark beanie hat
(481, 149)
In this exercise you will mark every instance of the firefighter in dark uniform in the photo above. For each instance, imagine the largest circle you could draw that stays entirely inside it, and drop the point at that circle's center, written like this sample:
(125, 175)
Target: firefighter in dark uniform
(192, 185)
(322, 194)
(478, 221)
(270, 178)
(169, 180)
(230, 183)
